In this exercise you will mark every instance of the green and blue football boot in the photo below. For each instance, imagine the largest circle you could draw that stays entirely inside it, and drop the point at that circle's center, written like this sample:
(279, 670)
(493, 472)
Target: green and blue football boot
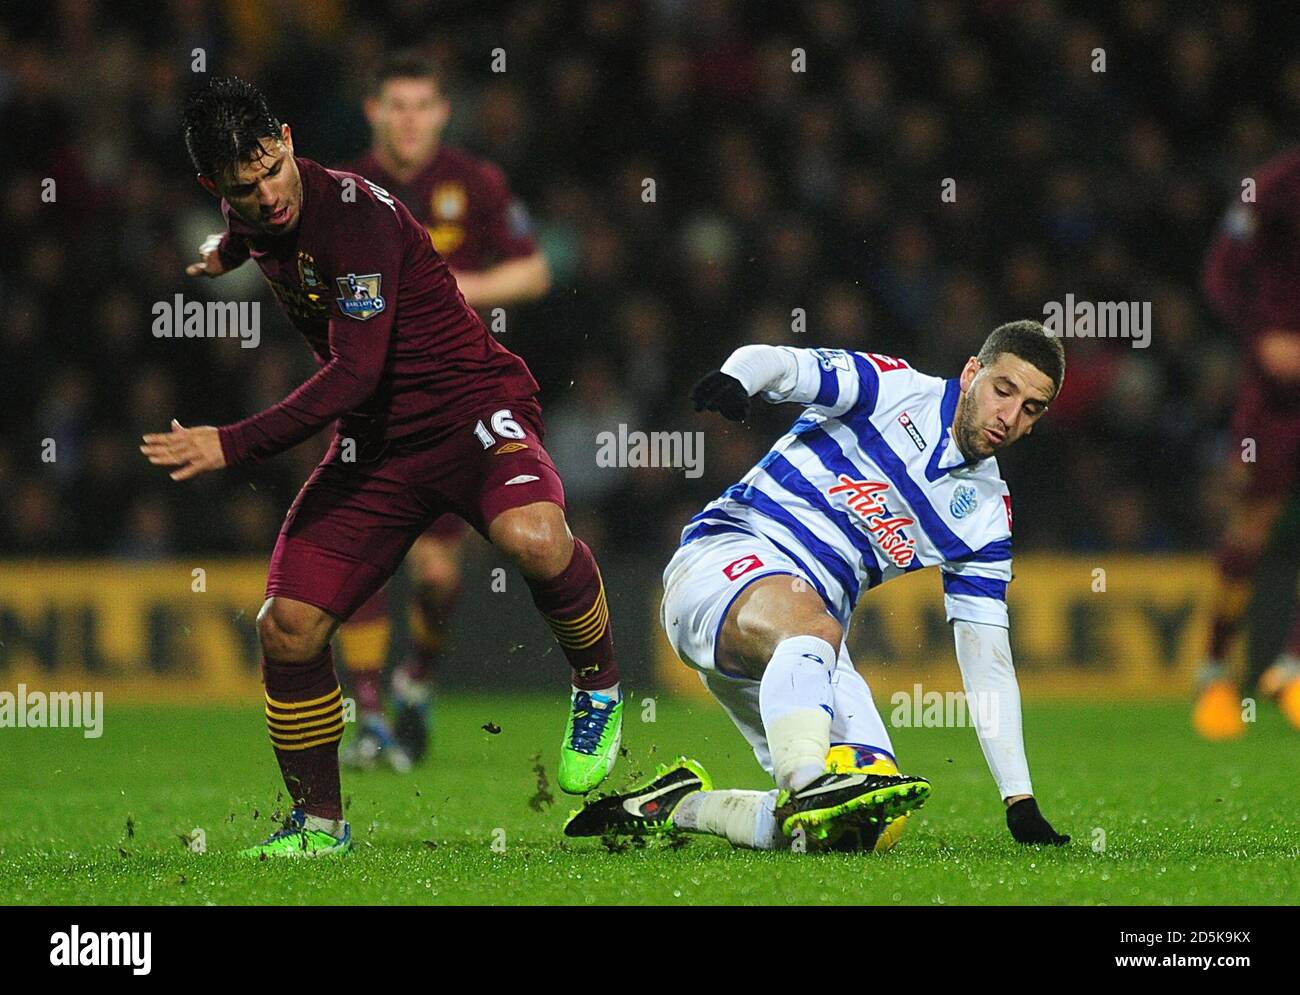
(296, 839)
(591, 740)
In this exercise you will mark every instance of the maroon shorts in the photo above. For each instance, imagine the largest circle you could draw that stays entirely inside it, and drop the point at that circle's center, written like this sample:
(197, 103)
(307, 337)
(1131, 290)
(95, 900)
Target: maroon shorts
(446, 528)
(1275, 427)
(352, 523)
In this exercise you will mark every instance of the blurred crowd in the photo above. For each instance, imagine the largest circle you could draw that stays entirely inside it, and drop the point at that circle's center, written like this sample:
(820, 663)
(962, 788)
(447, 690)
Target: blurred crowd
(798, 154)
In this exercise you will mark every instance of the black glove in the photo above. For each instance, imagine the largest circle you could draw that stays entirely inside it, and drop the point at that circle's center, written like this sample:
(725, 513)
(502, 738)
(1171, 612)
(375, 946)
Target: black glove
(723, 393)
(1027, 824)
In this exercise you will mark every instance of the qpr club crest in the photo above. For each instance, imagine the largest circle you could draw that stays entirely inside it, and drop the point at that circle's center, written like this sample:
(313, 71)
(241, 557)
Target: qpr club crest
(832, 359)
(360, 297)
(963, 501)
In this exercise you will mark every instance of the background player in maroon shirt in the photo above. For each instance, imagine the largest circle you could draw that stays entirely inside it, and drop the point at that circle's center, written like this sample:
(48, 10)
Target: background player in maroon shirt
(434, 416)
(1252, 277)
(486, 237)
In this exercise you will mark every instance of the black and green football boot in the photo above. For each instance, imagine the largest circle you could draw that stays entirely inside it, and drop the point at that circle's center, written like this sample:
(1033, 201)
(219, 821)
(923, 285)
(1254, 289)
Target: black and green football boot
(646, 809)
(824, 808)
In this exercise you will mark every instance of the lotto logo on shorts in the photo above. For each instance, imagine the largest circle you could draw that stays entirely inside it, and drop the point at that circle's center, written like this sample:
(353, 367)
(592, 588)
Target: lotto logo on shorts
(742, 566)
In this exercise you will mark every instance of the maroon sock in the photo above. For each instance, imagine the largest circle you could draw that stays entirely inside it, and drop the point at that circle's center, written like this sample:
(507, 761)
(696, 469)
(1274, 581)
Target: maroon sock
(431, 613)
(574, 607)
(304, 714)
(368, 686)
(1236, 567)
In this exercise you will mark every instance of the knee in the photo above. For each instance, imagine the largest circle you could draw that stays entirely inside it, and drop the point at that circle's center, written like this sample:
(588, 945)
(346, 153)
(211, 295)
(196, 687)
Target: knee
(438, 569)
(291, 632)
(537, 542)
(814, 624)
(821, 627)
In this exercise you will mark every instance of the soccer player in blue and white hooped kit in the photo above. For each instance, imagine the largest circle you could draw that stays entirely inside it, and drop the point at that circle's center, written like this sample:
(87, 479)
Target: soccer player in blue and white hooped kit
(886, 471)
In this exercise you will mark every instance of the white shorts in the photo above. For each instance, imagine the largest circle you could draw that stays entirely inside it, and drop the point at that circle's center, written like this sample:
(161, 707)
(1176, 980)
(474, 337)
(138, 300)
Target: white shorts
(700, 583)
(702, 580)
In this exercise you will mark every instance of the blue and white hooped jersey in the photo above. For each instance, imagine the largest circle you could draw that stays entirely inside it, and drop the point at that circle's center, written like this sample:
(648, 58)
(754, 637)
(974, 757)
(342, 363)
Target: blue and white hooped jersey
(869, 484)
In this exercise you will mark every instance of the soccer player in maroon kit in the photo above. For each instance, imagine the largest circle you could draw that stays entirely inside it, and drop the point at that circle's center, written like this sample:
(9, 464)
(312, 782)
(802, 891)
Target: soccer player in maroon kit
(1252, 277)
(485, 236)
(433, 416)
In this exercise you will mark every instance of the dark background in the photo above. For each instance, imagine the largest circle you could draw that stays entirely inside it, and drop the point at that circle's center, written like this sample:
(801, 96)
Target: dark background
(776, 190)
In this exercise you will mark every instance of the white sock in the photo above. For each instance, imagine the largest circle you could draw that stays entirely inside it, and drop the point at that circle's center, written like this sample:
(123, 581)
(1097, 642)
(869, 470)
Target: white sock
(795, 700)
(315, 823)
(746, 818)
(1287, 666)
(612, 693)
(856, 718)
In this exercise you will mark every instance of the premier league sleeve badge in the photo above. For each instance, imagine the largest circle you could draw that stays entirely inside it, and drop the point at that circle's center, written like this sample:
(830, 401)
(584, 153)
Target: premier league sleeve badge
(359, 296)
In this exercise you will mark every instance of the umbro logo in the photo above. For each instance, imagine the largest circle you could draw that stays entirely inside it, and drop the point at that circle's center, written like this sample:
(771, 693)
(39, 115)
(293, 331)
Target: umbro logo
(523, 478)
(510, 447)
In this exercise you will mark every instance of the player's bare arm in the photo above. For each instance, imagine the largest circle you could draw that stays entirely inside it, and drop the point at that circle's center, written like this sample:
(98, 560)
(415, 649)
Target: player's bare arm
(514, 281)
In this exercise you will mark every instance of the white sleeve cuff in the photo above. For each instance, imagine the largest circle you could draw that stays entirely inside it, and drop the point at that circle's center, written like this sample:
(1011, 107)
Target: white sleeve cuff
(763, 368)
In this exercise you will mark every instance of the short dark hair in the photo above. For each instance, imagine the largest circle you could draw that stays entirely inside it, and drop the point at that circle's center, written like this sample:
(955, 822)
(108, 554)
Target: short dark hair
(405, 65)
(225, 123)
(1029, 340)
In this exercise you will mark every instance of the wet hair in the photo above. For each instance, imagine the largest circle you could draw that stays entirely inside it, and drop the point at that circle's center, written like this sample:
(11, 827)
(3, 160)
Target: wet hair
(1030, 341)
(225, 125)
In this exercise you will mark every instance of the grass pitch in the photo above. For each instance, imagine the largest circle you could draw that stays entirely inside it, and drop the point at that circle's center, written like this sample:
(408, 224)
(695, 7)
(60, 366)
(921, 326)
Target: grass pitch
(1157, 816)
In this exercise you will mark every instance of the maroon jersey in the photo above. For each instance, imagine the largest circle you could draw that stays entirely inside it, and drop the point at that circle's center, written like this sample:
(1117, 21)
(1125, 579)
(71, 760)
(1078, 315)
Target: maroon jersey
(1252, 271)
(402, 358)
(465, 203)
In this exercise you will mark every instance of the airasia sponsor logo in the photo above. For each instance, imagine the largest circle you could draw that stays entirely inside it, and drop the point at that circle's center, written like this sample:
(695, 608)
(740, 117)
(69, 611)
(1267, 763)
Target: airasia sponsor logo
(866, 499)
(742, 566)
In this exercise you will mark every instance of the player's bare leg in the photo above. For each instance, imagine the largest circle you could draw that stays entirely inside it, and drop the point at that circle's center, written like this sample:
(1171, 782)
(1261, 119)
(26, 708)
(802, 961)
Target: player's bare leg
(304, 715)
(566, 586)
(778, 632)
(1217, 712)
(434, 564)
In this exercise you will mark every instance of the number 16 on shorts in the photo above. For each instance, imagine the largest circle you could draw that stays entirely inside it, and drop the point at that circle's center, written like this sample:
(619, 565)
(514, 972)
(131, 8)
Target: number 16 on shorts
(503, 424)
